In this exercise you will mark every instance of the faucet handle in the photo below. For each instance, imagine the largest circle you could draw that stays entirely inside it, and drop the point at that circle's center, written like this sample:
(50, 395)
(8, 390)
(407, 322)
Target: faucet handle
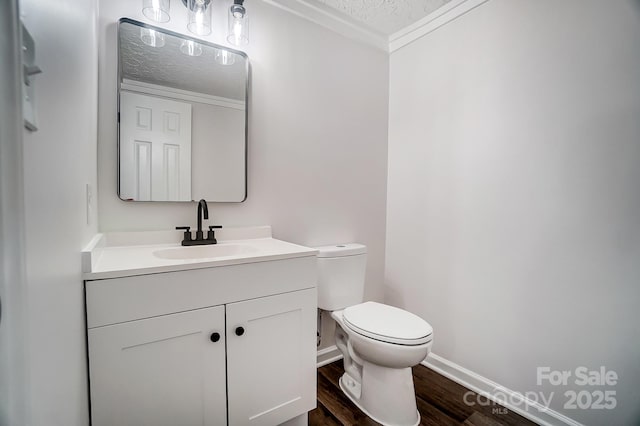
(211, 236)
(187, 232)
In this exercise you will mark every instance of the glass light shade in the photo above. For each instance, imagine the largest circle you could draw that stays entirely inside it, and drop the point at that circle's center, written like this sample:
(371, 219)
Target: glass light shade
(199, 17)
(191, 48)
(151, 37)
(156, 10)
(224, 57)
(238, 25)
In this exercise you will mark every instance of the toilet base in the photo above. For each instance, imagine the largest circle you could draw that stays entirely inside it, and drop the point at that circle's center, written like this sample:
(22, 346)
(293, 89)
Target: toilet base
(396, 408)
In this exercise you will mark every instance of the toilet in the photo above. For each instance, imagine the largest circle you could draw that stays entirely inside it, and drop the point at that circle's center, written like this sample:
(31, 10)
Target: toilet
(379, 343)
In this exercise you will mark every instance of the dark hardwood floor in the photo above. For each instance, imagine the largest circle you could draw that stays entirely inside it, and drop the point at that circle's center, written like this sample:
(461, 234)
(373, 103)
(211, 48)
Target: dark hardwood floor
(440, 402)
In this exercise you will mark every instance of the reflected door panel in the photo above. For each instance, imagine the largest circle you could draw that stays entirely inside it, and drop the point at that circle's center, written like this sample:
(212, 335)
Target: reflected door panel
(155, 148)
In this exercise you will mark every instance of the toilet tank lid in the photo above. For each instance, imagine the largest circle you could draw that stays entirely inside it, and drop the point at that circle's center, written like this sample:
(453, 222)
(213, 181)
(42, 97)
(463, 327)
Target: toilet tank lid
(339, 250)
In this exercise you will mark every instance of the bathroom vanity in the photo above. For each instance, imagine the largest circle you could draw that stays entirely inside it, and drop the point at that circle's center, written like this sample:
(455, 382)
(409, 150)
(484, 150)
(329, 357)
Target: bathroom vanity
(216, 335)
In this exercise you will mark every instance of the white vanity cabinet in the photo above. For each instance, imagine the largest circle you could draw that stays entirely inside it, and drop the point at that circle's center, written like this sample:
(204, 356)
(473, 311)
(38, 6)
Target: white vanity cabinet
(231, 345)
(269, 365)
(160, 371)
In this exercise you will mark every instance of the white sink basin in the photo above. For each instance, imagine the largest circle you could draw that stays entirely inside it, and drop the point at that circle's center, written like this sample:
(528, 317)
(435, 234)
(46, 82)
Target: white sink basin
(205, 252)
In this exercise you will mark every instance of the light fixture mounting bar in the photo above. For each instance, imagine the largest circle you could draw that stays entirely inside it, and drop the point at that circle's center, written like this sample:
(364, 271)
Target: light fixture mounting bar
(186, 3)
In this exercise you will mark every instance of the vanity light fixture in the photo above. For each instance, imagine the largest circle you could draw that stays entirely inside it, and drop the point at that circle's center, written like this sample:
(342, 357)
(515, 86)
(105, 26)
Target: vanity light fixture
(224, 57)
(156, 10)
(191, 48)
(238, 24)
(151, 37)
(199, 18)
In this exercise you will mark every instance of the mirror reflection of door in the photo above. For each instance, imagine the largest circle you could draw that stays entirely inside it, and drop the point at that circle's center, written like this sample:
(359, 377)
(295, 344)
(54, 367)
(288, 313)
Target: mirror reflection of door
(155, 148)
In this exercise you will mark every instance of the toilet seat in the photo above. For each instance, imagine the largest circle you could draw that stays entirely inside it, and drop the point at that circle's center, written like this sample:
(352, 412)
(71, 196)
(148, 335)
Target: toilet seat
(387, 324)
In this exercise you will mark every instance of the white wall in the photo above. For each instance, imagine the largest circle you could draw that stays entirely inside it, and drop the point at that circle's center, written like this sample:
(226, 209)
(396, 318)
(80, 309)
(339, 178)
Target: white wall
(513, 203)
(317, 135)
(59, 159)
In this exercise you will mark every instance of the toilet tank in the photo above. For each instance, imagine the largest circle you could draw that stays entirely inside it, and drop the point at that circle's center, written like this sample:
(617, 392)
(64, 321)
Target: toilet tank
(341, 271)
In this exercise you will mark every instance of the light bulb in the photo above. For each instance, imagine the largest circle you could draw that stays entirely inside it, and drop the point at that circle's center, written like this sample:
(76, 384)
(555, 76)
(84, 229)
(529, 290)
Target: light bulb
(238, 24)
(224, 57)
(199, 17)
(237, 31)
(151, 37)
(191, 48)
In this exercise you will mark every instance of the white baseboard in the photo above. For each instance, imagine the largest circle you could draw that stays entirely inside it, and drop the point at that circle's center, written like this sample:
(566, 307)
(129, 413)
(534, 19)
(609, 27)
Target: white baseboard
(328, 355)
(529, 409)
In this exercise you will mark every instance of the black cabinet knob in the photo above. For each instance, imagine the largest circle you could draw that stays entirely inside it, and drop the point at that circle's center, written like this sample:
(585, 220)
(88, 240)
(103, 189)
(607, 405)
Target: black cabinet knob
(215, 337)
(239, 331)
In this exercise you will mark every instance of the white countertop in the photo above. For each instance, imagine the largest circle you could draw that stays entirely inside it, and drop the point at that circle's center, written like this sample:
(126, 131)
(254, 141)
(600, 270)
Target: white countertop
(126, 254)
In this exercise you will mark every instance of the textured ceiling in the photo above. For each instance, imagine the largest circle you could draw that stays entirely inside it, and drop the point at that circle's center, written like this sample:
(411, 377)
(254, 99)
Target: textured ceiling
(384, 16)
(168, 66)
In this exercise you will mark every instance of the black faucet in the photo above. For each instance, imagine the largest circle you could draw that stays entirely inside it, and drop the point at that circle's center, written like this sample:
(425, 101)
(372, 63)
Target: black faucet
(200, 240)
(202, 206)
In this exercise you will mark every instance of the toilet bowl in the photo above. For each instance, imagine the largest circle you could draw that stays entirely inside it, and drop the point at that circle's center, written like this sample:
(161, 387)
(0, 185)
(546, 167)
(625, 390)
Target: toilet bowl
(379, 343)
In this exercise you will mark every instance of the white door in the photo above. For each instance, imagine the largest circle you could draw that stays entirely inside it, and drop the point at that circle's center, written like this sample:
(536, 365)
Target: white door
(271, 358)
(155, 148)
(162, 371)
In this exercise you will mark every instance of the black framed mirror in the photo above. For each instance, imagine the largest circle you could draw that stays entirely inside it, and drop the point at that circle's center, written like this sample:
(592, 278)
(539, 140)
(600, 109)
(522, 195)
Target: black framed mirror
(182, 117)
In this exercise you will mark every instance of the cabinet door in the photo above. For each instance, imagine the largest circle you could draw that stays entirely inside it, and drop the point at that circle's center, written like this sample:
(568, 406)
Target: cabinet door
(271, 358)
(159, 371)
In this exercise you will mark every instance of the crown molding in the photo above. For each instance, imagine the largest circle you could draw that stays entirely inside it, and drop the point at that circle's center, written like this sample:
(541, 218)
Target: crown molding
(179, 94)
(334, 21)
(348, 27)
(431, 22)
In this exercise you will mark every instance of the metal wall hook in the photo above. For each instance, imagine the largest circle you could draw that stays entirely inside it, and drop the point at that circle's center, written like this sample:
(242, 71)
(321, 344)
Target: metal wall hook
(29, 69)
